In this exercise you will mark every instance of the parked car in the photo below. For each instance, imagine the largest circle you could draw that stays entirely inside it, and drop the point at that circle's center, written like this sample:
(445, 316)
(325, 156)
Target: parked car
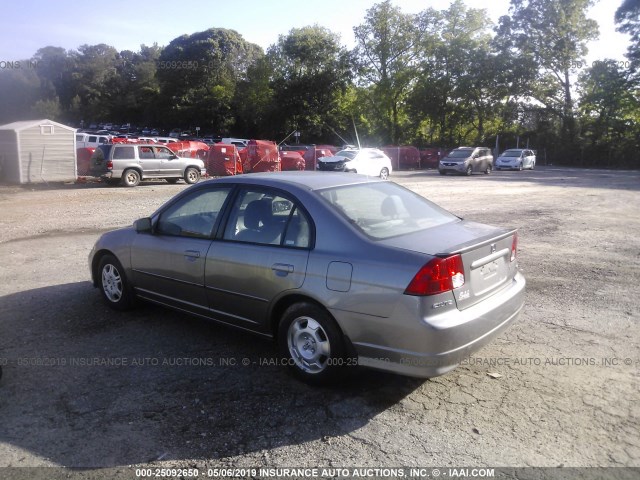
(366, 161)
(129, 164)
(516, 159)
(466, 160)
(340, 269)
(88, 140)
(240, 143)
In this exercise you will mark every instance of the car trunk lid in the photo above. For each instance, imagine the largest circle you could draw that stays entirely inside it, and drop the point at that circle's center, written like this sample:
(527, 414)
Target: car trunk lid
(486, 254)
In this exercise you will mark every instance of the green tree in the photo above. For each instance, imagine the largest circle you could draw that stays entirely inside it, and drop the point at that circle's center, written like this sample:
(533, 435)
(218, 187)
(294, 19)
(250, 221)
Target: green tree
(55, 68)
(19, 90)
(552, 34)
(458, 90)
(198, 75)
(134, 91)
(310, 73)
(610, 114)
(95, 73)
(386, 55)
(628, 21)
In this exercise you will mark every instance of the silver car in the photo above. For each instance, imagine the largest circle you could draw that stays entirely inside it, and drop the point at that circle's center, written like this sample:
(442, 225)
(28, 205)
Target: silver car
(467, 160)
(516, 159)
(128, 164)
(340, 269)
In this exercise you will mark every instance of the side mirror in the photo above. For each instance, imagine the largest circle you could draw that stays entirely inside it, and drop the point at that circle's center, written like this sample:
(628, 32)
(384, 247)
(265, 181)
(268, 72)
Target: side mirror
(143, 225)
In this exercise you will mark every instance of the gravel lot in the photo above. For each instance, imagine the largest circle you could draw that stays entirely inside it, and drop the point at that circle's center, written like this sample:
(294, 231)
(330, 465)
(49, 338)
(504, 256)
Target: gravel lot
(182, 396)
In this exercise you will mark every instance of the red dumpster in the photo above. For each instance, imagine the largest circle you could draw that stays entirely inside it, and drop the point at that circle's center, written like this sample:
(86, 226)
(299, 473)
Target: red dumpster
(223, 160)
(189, 149)
(83, 156)
(291, 161)
(261, 156)
(403, 156)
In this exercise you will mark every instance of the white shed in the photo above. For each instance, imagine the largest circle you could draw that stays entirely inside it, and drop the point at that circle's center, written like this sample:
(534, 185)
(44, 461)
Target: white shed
(35, 151)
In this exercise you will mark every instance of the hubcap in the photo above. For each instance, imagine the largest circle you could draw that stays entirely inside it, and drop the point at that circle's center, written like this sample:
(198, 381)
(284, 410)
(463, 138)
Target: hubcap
(193, 176)
(132, 178)
(308, 345)
(111, 283)
(384, 174)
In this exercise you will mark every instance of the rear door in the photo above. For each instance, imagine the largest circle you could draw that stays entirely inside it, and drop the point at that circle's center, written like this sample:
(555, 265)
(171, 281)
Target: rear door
(148, 161)
(263, 253)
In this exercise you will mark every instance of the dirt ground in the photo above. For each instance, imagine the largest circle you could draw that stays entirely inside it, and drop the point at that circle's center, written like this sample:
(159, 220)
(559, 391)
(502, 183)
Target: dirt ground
(84, 386)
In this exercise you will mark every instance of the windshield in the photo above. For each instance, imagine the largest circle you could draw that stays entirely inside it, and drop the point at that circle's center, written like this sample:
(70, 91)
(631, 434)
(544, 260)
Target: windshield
(347, 153)
(511, 153)
(385, 209)
(460, 154)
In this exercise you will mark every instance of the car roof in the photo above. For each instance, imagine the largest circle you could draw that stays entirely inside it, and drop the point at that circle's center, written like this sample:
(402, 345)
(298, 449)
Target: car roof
(302, 179)
(515, 150)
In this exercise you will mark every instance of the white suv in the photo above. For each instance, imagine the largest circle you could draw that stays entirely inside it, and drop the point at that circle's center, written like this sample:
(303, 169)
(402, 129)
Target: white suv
(366, 161)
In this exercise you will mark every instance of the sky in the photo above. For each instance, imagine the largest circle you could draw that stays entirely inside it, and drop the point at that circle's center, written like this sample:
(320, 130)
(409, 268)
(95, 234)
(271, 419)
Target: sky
(32, 24)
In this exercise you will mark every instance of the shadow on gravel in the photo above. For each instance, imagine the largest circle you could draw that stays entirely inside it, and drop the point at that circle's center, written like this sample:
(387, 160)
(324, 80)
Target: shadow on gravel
(84, 386)
(552, 176)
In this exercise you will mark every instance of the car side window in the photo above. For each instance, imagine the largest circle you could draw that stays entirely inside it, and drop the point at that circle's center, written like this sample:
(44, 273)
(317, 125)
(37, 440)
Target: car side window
(145, 152)
(269, 219)
(194, 215)
(162, 152)
(123, 153)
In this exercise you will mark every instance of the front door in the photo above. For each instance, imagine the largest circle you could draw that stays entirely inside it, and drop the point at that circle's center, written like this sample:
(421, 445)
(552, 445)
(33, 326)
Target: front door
(169, 264)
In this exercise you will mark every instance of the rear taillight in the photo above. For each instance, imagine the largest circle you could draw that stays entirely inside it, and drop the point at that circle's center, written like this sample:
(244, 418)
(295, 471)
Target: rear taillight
(437, 276)
(110, 165)
(514, 246)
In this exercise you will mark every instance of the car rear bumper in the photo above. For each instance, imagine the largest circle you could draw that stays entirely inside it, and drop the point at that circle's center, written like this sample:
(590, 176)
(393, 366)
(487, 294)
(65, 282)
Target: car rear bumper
(439, 343)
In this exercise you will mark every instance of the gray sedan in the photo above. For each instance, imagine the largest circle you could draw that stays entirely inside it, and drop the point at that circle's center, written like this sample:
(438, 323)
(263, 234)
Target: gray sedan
(340, 269)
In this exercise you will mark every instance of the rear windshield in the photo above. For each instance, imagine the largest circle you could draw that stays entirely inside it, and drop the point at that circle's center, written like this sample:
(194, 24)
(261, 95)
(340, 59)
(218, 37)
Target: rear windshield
(385, 209)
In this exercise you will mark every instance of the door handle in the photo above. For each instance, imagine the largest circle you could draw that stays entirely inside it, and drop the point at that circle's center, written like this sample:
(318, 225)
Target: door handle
(282, 268)
(191, 255)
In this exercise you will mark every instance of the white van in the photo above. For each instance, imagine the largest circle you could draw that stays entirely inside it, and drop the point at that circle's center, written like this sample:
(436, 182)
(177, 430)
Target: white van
(91, 140)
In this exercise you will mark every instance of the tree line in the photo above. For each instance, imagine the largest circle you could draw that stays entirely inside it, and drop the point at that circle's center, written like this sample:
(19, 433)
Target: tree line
(437, 78)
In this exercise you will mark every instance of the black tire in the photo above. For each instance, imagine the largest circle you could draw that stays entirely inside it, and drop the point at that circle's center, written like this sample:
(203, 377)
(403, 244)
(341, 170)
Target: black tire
(533, 166)
(312, 344)
(172, 180)
(191, 175)
(469, 171)
(384, 173)
(131, 178)
(442, 172)
(113, 284)
(487, 170)
(520, 167)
